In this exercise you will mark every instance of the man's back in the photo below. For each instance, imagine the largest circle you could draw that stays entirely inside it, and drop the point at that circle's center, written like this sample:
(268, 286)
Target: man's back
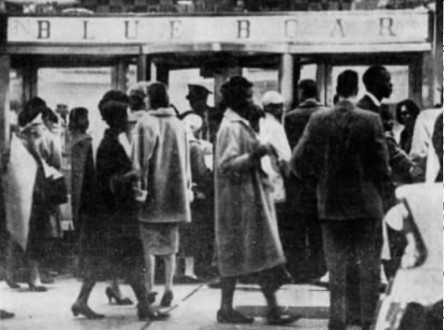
(343, 149)
(296, 120)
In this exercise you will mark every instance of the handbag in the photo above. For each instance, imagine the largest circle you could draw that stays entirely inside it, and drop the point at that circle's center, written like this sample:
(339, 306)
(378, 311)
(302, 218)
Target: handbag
(56, 190)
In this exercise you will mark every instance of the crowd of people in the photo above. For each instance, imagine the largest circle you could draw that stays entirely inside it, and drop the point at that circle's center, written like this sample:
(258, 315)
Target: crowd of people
(267, 196)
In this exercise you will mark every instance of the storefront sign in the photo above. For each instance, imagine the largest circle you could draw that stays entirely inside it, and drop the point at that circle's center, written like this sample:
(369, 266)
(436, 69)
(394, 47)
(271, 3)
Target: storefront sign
(296, 28)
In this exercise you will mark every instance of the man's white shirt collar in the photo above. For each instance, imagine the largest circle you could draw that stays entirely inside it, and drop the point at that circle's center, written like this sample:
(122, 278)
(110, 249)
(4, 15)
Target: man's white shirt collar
(373, 98)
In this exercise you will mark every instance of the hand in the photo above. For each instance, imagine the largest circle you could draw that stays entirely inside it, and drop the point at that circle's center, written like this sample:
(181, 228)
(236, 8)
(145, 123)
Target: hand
(140, 195)
(263, 149)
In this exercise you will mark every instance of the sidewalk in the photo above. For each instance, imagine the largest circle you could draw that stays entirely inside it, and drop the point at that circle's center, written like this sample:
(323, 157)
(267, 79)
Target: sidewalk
(51, 310)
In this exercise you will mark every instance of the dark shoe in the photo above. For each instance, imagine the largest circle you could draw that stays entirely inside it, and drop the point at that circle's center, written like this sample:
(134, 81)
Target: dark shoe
(215, 285)
(147, 313)
(47, 280)
(85, 311)
(282, 319)
(167, 299)
(112, 295)
(37, 288)
(12, 284)
(152, 297)
(233, 317)
(6, 315)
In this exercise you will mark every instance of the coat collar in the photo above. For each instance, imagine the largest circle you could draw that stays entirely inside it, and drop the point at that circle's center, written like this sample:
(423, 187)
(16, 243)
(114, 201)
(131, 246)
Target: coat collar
(373, 98)
(162, 112)
(234, 117)
(345, 105)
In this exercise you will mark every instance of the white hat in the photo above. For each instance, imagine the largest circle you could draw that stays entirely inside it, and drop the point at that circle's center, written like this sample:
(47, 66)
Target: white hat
(272, 97)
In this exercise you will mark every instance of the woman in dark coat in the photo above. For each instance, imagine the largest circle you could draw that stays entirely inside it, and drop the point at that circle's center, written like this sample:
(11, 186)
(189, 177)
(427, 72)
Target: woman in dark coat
(110, 230)
(247, 238)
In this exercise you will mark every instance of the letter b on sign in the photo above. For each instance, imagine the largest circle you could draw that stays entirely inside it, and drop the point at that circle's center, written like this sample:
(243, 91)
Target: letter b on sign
(243, 29)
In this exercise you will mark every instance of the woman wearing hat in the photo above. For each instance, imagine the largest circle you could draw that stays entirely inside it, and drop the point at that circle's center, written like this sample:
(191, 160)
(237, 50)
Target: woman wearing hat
(247, 238)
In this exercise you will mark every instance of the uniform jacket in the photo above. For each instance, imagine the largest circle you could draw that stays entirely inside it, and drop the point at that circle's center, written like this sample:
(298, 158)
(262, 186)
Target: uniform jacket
(247, 237)
(211, 118)
(344, 152)
(301, 195)
(160, 154)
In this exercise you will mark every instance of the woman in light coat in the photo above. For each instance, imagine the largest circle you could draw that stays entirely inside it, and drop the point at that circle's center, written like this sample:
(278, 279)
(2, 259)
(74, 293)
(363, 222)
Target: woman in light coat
(160, 156)
(247, 237)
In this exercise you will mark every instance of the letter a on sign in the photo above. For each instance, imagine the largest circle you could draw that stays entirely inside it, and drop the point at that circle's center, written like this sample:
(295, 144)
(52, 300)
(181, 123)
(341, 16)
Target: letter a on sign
(338, 28)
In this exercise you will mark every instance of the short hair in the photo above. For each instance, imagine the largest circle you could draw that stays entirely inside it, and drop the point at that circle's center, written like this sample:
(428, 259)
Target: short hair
(48, 114)
(137, 94)
(411, 106)
(234, 92)
(114, 113)
(31, 110)
(113, 95)
(158, 96)
(78, 119)
(111, 106)
(347, 84)
(373, 75)
(309, 88)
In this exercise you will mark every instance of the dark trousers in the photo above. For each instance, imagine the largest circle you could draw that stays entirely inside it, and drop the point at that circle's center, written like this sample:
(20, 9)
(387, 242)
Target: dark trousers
(352, 249)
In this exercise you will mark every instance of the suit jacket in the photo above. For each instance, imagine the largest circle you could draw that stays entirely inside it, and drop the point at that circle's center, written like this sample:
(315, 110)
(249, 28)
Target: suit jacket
(366, 103)
(301, 196)
(344, 152)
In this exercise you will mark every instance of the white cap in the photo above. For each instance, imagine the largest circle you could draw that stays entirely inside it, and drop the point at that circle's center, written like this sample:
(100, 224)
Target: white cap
(272, 97)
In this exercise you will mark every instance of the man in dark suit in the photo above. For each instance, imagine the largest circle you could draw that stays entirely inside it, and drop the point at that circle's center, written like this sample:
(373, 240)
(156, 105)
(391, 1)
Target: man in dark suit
(300, 231)
(377, 81)
(344, 153)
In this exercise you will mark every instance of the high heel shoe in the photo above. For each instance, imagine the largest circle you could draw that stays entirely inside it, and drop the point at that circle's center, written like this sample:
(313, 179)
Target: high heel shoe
(112, 295)
(167, 299)
(85, 311)
(233, 317)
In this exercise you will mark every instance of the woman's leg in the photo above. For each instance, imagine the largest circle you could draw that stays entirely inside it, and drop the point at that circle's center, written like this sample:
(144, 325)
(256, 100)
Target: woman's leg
(81, 304)
(150, 263)
(35, 283)
(228, 285)
(269, 285)
(226, 313)
(170, 269)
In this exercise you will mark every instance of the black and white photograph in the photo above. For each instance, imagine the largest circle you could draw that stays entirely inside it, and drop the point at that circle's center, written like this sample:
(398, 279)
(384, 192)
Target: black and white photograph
(221, 164)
